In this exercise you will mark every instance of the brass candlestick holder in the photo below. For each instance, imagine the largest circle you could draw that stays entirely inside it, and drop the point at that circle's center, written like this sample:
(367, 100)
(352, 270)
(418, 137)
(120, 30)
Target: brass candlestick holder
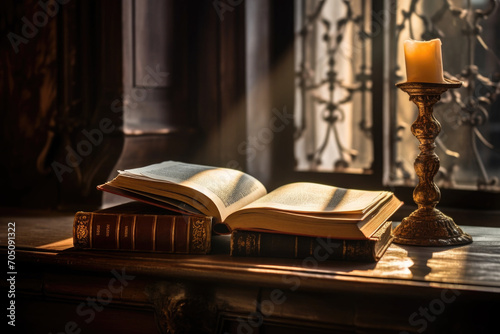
(427, 226)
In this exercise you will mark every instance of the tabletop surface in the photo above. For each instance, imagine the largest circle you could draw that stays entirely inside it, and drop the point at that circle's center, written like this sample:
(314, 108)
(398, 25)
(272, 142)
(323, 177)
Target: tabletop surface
(475, 266)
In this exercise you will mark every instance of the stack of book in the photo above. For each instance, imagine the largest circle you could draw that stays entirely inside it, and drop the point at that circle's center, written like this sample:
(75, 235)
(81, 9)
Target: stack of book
(296, 220)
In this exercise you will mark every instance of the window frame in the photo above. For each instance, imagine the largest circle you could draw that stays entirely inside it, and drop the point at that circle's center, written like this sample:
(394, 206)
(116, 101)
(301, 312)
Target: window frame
(281, 14)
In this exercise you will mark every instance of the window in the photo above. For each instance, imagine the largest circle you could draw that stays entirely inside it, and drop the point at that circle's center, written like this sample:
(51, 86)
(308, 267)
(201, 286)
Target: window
(353, 123)
(469, 142)
(333, 104)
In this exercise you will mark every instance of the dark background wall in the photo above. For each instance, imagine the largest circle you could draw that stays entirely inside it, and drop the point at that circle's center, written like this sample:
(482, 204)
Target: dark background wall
(60, 64)
(67, 73)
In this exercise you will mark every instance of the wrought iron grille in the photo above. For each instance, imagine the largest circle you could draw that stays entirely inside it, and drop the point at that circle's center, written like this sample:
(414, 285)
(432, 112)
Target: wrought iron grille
(333, 90)
(333, 100)
(468, 145)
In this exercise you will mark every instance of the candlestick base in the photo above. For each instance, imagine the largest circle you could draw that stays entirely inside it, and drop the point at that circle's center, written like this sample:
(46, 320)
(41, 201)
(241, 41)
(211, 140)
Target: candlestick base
(429, 227)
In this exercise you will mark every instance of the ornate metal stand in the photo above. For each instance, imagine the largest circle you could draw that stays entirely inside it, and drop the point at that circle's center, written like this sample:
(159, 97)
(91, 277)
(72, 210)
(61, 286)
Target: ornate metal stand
(427, 226)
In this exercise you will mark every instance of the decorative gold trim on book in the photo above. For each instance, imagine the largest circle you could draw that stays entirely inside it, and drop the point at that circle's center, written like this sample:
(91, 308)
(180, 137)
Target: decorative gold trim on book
(172, 236)
(199, 234)
(117, 231)
(132, 232)
(251, 244)
(240, 243)
(82, 231)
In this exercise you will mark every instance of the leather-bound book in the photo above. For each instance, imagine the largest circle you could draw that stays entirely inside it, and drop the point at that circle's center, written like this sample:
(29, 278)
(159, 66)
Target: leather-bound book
(264, 244)
(136, 226)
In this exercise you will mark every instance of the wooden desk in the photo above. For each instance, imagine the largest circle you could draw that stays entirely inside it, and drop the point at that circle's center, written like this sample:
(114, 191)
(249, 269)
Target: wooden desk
(411, 289)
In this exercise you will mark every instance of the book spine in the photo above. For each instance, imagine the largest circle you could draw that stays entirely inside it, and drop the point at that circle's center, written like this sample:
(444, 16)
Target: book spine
(179, 234)
(260, 244)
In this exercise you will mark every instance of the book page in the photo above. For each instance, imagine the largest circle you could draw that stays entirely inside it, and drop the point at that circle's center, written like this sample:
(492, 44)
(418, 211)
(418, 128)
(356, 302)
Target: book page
(304, 197)
(229, 189)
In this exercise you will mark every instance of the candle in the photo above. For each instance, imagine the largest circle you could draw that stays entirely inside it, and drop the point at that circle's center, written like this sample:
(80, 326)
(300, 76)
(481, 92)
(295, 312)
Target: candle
(423, 61)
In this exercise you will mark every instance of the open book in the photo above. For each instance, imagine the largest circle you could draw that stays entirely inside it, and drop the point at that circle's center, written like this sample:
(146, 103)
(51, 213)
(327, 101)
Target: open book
(238, 201)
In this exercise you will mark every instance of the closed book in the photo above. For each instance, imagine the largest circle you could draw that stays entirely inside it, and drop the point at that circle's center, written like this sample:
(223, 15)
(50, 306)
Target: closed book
(136, 226)
(264, 244)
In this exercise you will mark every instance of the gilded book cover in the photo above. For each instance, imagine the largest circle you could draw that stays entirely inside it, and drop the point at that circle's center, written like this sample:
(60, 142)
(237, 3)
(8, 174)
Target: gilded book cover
(136, 226)
(262, 244)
